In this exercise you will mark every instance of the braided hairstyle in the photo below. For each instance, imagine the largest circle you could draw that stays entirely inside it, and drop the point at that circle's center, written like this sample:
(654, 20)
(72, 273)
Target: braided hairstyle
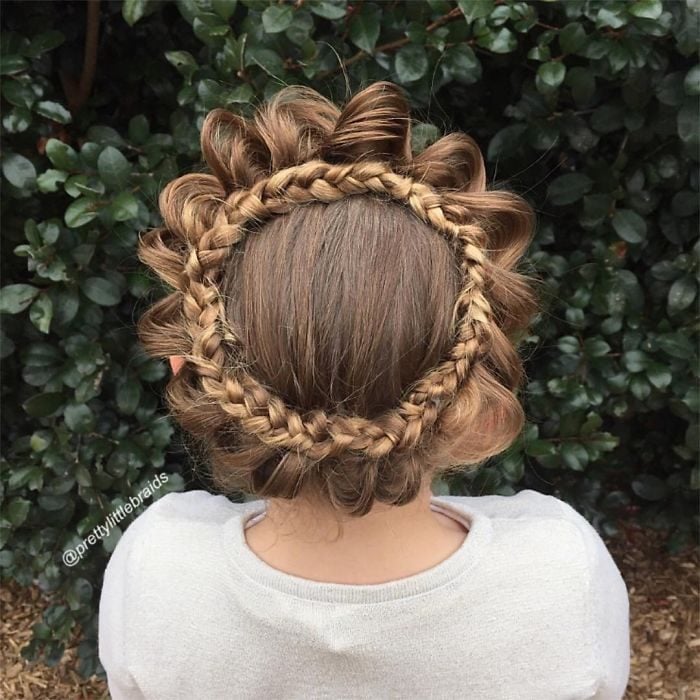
(348, 312)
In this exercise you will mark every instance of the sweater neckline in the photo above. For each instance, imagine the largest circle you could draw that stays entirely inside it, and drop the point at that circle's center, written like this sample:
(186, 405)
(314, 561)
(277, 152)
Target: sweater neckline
(480, 532)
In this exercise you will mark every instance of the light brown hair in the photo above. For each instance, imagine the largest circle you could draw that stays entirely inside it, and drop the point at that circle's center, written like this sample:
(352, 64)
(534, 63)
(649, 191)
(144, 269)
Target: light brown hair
(348, 312)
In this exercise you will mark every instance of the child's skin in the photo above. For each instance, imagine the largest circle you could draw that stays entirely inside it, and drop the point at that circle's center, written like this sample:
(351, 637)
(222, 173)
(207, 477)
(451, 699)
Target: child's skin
(389, 542)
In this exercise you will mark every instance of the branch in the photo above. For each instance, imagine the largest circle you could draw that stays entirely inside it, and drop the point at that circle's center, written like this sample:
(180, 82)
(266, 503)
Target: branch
(393, 45)
(78, 93)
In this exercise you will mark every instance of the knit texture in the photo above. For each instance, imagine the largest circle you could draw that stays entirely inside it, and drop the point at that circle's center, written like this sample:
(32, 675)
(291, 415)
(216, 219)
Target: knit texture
(530, 607)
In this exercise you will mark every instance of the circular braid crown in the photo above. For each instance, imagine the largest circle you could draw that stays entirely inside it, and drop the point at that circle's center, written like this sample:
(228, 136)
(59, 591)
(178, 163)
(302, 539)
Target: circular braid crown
(300, 148)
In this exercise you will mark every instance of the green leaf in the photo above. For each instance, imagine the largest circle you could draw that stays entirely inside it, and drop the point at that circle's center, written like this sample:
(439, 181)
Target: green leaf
(10, 64)
(422, 135)
(210, 93)
(688, 123)
(266, 59)
(596, 347)
(691, 83)
(299, 32)
(79, 594)
(506, 141)
(84, 184)
(100, 290)
(81, 212)
(677, 345)
(476, 9)
(550, 76)
(277, 18)
(19, 171)
(15, 298)
(128, 396)
(640, 387)
(138, 129)
(659, 375)
(17, 511)
(569, 345)
(568, 188)
(50, 231)
(22, 476)
(224, 8)
(54, 111)
(79, 418)
(114, 168)
(329, 9)
(502, 41)
(125, 206)
(182, 61)
(611, 17)
(540, 448)
(646, 9)
(635, 361)
(364, 27)
(411, 63)
(133, 11)
(209, 29)
(460, 63)
(41, 313)
(39, 442)
(50, 180)
(17, 120)
(629, 225)
(105, 136)
(66, 304)
(83, 475)
(18, 93)
(61, 155)
(682, 294)
(42, 405)
(243, 94)
(572, 37)
(574, 455)
(7, 347)
(112, 539)
(650, 487)
(582, 84)
(48, 41)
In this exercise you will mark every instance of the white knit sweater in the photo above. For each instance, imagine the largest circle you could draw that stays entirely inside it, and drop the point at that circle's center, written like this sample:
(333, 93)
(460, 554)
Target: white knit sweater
(530, 607)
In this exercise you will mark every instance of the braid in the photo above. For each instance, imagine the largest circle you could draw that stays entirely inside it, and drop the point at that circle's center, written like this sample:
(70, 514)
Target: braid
(266, 416)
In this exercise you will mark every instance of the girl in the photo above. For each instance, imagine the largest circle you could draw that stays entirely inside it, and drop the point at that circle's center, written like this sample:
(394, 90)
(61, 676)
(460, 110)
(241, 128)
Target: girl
(342, 329)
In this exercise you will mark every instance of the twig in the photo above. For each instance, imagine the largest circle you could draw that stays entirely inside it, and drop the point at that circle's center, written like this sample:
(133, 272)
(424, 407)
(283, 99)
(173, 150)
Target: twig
(393, 45)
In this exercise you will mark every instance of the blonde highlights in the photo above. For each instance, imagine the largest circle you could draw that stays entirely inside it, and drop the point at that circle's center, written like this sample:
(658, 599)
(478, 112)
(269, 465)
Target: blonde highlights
(308, 204)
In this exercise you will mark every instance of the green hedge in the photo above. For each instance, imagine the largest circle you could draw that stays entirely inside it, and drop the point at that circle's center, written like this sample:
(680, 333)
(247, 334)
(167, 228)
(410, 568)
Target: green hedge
(589, 109)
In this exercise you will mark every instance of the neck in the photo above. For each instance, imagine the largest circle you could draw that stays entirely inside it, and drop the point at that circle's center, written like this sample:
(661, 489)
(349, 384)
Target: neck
(310, 520)
(304, 538)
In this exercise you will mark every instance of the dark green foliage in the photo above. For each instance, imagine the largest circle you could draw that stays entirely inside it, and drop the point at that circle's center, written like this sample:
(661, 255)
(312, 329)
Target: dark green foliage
(589, 109)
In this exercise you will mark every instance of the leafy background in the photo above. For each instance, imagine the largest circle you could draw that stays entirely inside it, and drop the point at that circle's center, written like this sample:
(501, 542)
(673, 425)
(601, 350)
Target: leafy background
(587, 108)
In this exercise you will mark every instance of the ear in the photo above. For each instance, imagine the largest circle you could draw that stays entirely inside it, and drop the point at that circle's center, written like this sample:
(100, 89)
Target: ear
(176, 363)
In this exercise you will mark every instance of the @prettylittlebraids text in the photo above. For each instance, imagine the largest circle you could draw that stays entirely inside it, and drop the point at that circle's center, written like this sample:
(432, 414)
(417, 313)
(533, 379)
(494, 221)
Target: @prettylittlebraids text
(73, 555)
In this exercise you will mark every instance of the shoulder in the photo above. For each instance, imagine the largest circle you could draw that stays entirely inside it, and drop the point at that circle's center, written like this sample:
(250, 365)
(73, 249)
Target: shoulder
(543, 533)
(157, 566)
(524, 504)
(527, 508)
(173, 523)
(190, 507)
(543, 540)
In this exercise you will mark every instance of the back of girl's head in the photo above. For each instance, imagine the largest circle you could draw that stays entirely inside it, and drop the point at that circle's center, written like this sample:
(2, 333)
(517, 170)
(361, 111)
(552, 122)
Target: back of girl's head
(348, 311)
